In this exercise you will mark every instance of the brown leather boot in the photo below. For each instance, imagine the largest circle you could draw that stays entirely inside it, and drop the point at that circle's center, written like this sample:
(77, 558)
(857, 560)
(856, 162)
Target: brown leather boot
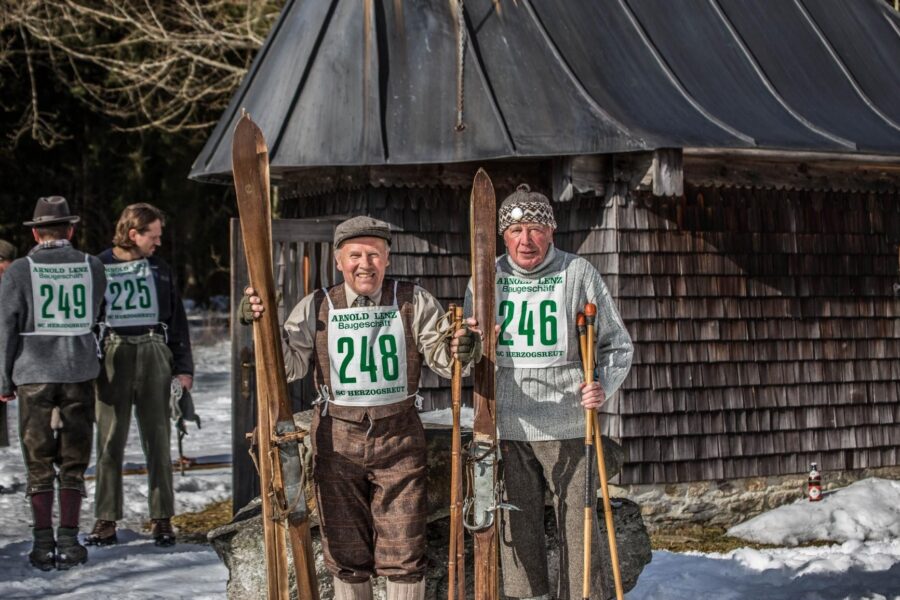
(103, 534)
(162, 532)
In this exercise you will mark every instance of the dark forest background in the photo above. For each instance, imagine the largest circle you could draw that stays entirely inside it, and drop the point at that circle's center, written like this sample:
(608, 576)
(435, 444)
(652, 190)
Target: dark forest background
(109, 103)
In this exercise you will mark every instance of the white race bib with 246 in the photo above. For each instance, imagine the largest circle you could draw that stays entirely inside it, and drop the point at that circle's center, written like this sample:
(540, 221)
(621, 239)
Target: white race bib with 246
(367, 352)
(131, 298)
(63, 298)
(534, 331)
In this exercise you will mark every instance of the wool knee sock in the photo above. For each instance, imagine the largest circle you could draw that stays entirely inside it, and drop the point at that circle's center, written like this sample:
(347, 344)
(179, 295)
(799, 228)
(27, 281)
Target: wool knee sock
(69, 508)
(42, 509)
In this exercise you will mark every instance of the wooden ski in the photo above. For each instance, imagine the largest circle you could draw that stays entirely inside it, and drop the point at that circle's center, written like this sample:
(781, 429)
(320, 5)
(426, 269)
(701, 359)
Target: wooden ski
(483, 451)
(282, 481)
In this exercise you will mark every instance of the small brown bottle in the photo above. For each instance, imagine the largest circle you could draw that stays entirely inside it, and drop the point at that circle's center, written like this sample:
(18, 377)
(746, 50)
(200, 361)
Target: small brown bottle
(814, 487)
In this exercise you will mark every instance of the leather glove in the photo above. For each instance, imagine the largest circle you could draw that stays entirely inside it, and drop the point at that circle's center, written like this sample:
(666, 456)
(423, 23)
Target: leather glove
(245, 312)
(469, 346)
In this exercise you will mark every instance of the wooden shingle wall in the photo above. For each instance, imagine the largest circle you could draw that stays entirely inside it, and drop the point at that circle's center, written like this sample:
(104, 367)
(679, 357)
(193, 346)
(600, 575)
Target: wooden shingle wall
(765, 328)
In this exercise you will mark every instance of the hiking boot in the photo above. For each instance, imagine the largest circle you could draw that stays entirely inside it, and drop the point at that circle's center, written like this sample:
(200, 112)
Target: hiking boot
(43, 551)
(162, 532)
(69, 552)
(103, 534)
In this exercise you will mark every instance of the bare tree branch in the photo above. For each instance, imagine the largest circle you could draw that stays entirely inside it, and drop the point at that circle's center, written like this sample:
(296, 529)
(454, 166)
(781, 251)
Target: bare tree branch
(148, 65)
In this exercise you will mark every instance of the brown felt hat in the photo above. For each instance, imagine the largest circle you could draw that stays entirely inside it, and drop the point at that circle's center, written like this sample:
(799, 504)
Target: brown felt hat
(361, 227)
(7, 251)
(52, 210)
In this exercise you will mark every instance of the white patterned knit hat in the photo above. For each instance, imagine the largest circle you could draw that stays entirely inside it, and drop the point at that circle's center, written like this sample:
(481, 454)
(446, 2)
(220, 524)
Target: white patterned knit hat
(525, 206)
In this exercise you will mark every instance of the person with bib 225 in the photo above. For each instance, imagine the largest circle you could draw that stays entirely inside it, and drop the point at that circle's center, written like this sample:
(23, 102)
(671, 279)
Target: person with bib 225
(541, 395)
(148, 342)
(365, 340)
(49, 305)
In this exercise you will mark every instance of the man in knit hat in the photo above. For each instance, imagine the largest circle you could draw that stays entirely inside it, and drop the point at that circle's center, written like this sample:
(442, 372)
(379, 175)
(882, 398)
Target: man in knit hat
(365, 340)
(48, 359)
(541, 395)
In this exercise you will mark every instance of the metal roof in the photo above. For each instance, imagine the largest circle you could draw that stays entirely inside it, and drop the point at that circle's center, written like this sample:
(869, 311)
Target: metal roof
(374, 82)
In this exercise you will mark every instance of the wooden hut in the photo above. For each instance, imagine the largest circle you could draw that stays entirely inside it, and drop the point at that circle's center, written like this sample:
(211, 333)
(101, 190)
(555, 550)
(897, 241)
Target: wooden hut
(732, 169)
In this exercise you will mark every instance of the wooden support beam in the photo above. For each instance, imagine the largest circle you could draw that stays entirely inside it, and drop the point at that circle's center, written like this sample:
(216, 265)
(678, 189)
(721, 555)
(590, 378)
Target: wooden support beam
(580, 174)
(667, 172)
(768, 172)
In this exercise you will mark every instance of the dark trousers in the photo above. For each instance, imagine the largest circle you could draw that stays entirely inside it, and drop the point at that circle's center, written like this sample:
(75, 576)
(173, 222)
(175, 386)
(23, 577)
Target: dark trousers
(371, 495)
(530, 470)
(67, 449)
(136, 372)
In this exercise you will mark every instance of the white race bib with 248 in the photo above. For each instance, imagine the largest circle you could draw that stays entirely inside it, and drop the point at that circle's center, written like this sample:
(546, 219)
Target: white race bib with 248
(367, 352)
(63, 298)
(131, 298)
(534, 331)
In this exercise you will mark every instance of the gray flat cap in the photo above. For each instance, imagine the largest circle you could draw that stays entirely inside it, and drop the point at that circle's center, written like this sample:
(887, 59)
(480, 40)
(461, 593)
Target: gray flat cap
(7, 251)
(361, 227)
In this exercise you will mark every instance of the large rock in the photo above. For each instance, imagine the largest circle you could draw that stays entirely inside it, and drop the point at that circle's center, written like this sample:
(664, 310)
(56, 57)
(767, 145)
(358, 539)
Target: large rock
(240, 543)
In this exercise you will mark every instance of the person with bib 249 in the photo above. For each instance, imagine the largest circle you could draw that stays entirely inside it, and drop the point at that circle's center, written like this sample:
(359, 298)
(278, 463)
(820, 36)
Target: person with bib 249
(148, 342)
(541, 395)
(49, 304)
(365, 340)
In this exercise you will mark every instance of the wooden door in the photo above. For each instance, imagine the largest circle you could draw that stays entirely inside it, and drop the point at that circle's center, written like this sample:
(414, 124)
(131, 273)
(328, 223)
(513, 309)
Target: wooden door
(303, 259)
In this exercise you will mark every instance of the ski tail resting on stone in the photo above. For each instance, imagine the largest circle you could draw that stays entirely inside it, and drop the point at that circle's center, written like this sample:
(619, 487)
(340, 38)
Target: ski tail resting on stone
(278, 441)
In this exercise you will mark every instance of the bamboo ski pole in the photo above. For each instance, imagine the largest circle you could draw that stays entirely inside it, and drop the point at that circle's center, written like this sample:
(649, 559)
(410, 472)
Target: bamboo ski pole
(456, 570)
(590, 499)
(590, 313)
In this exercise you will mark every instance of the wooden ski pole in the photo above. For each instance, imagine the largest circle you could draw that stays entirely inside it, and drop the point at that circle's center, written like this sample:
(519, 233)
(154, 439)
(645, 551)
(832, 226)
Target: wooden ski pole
(590, 313)
(456, 569)
(590, 500)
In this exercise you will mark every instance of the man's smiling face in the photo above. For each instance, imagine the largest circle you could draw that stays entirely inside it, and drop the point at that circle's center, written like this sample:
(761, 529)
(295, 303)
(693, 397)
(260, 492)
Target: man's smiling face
(363, 261)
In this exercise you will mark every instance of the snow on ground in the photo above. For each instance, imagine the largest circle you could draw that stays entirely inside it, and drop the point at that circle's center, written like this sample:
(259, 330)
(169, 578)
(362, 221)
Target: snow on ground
(135, 568)
(863, 518)
(866, 510)
(850, 571)
(444, 417)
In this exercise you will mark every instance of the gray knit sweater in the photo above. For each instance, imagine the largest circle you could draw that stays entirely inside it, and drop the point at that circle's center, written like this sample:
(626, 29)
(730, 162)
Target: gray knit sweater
(43, 358)
(545, 404)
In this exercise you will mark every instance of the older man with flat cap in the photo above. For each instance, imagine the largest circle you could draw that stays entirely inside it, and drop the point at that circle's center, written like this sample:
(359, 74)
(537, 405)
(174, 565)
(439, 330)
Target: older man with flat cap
(48, 359)
(365, 340)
